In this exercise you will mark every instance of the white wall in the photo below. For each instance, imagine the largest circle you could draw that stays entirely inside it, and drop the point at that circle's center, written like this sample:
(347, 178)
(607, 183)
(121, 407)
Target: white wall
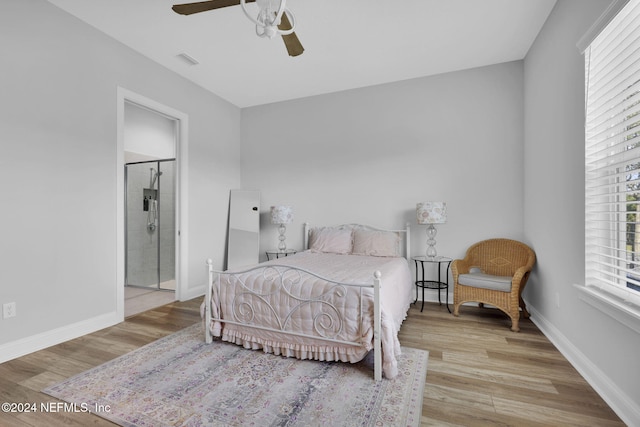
(58, 170)
(369, 155)
(148, 133)
(605, 352)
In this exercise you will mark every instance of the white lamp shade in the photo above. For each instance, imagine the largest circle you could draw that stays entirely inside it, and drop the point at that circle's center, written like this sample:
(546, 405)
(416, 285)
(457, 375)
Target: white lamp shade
(281, 214)
(431, 212)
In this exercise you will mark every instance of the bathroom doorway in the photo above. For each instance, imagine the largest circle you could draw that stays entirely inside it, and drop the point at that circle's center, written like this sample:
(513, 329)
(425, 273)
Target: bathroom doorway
(150, 208)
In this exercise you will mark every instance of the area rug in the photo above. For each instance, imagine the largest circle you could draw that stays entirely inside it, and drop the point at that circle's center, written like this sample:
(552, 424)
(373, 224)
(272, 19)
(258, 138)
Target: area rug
(181, 381)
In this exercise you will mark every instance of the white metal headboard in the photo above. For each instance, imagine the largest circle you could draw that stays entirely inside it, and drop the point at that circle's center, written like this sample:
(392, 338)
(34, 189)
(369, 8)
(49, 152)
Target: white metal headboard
(404, 234)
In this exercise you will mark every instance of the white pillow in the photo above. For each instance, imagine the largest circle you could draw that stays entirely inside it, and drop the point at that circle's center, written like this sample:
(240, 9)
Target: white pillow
(331, 240)
(376, 243)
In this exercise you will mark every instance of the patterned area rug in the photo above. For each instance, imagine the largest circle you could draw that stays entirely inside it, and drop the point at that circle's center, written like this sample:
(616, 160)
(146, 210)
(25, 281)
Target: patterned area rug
(181, 381)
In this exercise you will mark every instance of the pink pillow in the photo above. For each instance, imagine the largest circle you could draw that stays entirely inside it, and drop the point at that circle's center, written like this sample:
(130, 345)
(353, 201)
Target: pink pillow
(331, 240)
(376, 243)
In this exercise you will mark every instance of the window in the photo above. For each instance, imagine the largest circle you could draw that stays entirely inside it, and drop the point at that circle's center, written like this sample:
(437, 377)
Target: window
(612, 157)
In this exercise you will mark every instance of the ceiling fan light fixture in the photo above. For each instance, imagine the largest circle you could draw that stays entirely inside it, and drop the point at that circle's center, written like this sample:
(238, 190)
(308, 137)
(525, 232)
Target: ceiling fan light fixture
(269, 16)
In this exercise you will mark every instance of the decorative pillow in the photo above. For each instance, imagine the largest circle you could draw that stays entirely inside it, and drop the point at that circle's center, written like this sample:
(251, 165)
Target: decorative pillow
(376, 243)
(331, 240)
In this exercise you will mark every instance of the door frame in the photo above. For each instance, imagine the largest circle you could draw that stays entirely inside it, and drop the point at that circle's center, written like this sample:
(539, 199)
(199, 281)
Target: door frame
(181, 204)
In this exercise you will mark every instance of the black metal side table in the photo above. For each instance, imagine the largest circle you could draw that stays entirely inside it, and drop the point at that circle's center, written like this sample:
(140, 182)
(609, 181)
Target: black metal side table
(275, 253)
(433, 284)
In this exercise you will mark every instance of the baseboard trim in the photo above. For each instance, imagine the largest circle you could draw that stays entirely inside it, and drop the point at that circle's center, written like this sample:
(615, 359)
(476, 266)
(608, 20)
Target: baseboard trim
(623, 405)
(188, 294)
(46, 339)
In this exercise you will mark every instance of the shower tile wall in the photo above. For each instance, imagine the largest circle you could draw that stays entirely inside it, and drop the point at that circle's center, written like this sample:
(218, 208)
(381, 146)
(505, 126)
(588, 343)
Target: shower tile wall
(142, 243)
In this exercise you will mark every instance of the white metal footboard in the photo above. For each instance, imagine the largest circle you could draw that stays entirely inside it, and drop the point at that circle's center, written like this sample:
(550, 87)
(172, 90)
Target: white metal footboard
(284, 282)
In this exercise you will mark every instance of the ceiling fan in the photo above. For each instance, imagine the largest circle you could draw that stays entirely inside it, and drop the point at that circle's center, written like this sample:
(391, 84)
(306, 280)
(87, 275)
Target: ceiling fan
(273, 18)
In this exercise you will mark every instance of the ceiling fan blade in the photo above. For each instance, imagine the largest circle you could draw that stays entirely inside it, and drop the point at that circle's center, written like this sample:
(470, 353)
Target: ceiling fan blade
(203, 6)
(291, 42)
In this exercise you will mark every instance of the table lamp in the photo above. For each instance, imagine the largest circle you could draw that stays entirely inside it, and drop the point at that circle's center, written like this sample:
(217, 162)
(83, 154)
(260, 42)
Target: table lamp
(281, 215)
(431, 213)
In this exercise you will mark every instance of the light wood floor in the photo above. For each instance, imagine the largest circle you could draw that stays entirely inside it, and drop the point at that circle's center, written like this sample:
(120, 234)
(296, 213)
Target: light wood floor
(479, 373)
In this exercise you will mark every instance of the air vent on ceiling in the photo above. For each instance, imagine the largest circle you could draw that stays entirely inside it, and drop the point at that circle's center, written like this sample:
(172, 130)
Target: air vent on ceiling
(188, 59)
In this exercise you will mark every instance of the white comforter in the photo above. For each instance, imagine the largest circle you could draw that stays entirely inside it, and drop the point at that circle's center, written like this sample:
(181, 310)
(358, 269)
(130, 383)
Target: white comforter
(274, 309)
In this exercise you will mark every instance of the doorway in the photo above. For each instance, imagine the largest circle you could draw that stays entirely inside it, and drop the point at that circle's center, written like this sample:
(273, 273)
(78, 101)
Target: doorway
(151, 194)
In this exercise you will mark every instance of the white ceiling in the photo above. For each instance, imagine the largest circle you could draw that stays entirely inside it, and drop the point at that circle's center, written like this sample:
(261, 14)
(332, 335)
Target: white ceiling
(348, 43)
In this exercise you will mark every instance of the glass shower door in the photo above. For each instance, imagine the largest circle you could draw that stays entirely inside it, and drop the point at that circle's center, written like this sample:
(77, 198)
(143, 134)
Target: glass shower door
(150, 224)
(167, 226)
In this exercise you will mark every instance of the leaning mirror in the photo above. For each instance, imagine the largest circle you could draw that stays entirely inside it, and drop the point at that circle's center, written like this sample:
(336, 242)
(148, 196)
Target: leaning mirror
(244, 228)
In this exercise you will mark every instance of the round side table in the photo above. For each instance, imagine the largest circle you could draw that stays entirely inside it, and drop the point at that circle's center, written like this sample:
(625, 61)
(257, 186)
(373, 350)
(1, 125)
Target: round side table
(439, 284)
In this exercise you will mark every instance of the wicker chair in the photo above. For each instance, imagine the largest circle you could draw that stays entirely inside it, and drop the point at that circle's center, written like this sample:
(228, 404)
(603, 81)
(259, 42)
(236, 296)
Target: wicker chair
(494, 272)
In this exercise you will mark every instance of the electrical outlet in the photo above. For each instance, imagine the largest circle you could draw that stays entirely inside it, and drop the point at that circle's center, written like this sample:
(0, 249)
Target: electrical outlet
(9, 310)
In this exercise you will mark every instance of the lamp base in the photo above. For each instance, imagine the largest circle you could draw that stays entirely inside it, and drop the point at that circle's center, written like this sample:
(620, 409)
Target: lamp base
(431, 241)
(282, 246)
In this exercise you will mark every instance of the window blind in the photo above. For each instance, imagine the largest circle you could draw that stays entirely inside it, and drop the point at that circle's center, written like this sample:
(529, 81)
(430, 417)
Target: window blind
(612, 157)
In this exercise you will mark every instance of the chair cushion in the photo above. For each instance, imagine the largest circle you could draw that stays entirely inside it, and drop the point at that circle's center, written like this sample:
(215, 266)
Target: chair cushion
(486, 281)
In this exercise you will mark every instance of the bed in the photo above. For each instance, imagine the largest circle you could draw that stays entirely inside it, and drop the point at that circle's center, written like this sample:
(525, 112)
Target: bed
(345, 295)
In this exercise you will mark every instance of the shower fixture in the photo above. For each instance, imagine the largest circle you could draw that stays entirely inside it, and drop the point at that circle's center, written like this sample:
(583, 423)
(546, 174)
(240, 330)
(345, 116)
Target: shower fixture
(154, 176)
(151, 200)
(152, 215)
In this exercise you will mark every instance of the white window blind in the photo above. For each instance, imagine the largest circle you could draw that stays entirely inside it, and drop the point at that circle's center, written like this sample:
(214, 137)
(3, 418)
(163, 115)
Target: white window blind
(612, 161)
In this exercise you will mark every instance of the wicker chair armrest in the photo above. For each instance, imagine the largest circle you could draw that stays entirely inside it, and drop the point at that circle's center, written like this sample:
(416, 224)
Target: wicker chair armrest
(518, 276)
(459, 266)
